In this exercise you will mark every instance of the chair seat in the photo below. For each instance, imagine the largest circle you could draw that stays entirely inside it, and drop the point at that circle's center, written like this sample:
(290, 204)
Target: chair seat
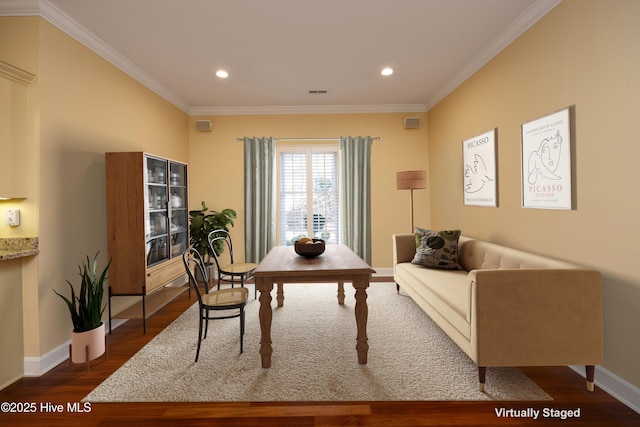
(226, 297)
(239, 267)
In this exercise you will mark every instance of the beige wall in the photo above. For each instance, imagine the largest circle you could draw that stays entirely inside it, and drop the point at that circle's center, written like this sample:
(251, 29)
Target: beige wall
(585, 54)
(88, 107)
(19, 48)
(11, 338)
(85, 107)
(216, 165)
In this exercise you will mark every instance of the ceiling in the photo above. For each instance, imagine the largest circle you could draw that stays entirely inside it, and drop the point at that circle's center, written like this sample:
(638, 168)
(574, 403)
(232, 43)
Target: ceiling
(276, 51)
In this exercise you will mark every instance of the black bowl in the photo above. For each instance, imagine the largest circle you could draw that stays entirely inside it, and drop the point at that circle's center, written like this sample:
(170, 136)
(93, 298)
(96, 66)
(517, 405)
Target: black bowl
(309, 250)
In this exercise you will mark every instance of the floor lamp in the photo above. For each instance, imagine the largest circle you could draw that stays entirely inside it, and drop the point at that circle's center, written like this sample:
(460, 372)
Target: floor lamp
(411, 180)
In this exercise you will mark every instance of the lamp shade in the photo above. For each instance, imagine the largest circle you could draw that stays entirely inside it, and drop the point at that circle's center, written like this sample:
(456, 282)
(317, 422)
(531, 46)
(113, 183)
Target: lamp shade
(411, 180)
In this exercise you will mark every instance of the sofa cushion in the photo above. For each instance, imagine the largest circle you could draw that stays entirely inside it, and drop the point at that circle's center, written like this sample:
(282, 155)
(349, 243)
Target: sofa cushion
(445, 291)
(437, 248)
(477, 255)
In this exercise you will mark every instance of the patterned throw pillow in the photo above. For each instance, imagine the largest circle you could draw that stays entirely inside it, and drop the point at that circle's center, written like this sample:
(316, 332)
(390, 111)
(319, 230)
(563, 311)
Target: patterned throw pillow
(437, 248)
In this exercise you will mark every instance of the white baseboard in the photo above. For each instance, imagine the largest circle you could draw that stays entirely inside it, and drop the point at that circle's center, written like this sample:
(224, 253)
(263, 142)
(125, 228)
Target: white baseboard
(383, 272)
(9, 382)
(617, 387)
(38, 366)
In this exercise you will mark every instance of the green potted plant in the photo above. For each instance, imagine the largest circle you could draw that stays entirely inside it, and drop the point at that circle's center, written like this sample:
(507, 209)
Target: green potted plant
(86, 310)
(204, 221)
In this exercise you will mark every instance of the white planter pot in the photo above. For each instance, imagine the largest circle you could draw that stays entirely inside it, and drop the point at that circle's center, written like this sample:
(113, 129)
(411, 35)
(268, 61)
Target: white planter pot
(94, 339)
(210, 272)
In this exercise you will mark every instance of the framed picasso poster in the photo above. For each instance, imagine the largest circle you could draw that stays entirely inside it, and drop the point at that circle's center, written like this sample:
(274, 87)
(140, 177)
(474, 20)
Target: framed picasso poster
(479, 168)
(546, 162)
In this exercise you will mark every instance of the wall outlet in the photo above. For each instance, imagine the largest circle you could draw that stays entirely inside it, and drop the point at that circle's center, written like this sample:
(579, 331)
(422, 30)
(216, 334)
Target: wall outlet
(12, 217)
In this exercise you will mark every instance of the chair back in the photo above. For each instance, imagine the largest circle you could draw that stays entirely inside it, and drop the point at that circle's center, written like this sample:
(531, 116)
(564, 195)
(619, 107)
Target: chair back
(193, 262)
(220, 236)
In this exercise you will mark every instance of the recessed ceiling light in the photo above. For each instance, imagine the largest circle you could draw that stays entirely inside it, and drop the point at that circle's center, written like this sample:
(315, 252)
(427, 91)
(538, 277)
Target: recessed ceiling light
(222, 74)
(386, 71)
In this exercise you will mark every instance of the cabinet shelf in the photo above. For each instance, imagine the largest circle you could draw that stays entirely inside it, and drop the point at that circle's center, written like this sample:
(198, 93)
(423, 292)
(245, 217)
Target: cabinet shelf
(155, 236)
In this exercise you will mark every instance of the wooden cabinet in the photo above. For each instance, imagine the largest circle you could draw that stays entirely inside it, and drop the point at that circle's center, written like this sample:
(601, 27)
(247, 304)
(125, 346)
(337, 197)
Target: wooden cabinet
(147, 223)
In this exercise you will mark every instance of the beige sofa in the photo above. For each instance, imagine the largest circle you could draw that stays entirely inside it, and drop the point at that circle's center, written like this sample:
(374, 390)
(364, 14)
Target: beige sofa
(508, 307)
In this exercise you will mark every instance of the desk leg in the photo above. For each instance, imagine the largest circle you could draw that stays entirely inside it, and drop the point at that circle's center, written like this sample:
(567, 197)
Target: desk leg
(341, 293)
(280, 294)
(362, 312)
(265, 314)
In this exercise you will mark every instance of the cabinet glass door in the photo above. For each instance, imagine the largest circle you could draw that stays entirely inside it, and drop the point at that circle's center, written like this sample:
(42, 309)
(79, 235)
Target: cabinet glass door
(156, 210)
(178, 211)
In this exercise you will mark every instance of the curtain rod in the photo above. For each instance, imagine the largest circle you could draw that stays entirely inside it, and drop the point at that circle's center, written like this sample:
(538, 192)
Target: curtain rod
(377, 138)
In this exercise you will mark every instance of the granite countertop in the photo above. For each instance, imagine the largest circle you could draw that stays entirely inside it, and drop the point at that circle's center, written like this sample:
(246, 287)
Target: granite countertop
(18, 247)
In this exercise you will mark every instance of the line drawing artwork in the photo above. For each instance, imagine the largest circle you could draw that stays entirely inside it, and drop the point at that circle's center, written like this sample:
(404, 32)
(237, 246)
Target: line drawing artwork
(544, 162)
(476, 175)
(479, 172)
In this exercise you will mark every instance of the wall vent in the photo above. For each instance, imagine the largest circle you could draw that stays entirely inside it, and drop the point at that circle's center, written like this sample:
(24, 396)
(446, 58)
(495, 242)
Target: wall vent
(204, 125)
(411, 122)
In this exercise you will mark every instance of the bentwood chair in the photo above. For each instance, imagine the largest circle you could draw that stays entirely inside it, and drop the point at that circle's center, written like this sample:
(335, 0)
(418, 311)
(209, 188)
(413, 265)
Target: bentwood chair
(231, 301)
(233, 272)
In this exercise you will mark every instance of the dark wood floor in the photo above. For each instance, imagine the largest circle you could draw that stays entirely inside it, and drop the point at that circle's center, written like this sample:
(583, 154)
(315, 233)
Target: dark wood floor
(67, 385)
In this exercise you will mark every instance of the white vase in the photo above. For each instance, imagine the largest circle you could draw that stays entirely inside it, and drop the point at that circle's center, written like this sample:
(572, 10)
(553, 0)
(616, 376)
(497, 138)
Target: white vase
(94, 339)
(210, 272)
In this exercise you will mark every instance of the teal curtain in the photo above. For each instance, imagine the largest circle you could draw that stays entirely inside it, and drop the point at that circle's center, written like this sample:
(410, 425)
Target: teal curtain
(355, 195)
(259, 197)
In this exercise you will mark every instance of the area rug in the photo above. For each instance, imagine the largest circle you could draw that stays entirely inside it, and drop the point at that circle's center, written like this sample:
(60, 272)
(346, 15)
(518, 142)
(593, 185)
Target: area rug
(314, 357)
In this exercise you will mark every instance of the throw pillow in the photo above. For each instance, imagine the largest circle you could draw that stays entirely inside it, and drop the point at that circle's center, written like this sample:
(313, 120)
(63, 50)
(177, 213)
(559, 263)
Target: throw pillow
(437, 248)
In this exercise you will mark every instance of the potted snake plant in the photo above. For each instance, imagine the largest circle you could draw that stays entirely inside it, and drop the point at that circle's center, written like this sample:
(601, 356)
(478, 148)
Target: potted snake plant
(86, 308)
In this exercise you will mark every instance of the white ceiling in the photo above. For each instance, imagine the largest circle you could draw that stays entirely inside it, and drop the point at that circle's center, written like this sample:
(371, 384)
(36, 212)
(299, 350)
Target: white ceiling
(276, 51)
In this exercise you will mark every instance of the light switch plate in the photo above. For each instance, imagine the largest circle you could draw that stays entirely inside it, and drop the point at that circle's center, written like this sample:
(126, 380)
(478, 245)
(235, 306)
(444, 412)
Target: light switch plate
(12, 217)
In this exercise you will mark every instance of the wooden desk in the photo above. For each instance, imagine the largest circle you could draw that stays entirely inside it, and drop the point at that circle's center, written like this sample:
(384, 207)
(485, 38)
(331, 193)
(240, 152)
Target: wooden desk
(338, 264)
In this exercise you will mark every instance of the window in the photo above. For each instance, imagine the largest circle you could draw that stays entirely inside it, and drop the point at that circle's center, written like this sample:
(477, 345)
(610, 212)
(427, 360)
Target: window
(308, 202)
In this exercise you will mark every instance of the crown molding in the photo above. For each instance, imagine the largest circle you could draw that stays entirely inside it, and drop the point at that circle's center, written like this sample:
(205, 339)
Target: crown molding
(15, 74)
(78, 32)
(308, 109)
(63, 22)
(19, 7)
(532, 15)
(66, 24)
